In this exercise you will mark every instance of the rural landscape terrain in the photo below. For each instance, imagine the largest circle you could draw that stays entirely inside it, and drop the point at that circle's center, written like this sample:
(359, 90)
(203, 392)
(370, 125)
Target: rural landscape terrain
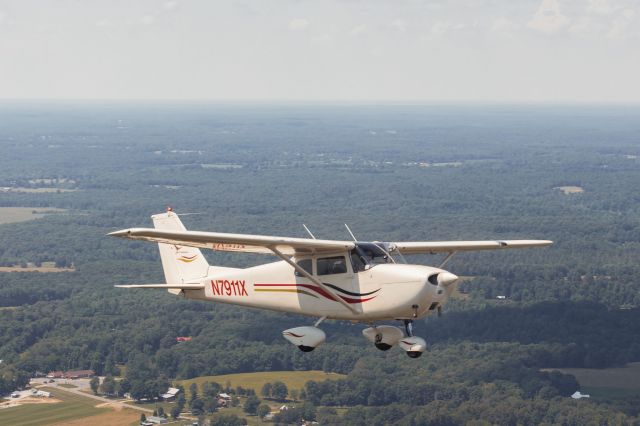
(526, 330)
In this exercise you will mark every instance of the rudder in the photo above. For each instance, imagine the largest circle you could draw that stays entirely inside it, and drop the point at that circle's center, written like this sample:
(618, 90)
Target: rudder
(181, 264)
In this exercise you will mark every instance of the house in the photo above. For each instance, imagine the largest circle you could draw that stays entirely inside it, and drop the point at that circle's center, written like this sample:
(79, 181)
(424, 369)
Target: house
(170, 394)
(284, 408)
(156, 420)
(578, 395)
(78, 374)
(183, 338)
(42, 394)
(501, 297)
(225, 396)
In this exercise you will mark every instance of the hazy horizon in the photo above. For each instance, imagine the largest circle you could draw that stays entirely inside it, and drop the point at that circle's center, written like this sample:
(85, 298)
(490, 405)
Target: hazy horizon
(408, 51)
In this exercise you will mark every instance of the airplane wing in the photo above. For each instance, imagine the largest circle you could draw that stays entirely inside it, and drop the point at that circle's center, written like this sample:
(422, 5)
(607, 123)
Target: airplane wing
(165, 286)
(235, 242)
(454, 246)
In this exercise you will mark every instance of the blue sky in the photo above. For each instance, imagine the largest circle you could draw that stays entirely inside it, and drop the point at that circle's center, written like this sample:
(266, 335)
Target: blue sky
(330, 50)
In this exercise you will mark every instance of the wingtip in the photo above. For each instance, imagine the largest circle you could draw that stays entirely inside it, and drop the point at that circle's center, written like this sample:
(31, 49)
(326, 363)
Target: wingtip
(121, 233)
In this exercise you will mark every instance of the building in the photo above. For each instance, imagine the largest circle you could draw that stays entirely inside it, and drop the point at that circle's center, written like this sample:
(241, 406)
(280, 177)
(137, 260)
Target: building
(183, 338)
(78, 374)
(156, 420)
(170, 394)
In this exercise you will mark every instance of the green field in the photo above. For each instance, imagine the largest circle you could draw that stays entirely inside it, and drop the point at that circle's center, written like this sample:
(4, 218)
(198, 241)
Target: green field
(255, 381)
(67, 385)
(607, 382)
(71, 407)
(609, 393)
(22, 214)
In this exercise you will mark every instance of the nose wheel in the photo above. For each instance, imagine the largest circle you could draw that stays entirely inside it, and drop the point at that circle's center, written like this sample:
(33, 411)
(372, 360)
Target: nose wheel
(408, 327)
(413, 345)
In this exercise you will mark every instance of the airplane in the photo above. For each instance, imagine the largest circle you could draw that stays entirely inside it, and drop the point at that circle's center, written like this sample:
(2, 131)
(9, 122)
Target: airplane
(362, 282)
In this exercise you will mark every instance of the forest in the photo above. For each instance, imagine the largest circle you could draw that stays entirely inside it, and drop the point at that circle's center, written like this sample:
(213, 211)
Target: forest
(392, 173)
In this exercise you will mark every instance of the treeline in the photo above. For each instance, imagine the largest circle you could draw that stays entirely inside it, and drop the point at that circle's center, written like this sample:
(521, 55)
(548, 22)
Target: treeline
(12, 378)
(457, 385)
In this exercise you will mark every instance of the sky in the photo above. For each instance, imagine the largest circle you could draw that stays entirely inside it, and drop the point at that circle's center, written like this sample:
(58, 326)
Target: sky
(585, 51)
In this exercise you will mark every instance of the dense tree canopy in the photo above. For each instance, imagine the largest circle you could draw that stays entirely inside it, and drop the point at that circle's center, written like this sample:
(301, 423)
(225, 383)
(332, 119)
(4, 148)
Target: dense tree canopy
(392, 173)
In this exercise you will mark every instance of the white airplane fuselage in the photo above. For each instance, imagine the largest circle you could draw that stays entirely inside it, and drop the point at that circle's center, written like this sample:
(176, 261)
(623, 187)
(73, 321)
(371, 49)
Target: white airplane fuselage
(382, 292)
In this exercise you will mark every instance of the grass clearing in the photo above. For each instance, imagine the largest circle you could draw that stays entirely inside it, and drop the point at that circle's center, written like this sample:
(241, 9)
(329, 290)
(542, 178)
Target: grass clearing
(607, 382)
(23, 214)
(255, 381)
(43, 269)
(72, 407)
(568, 190)
(109, 418)
(609, 393)
(67, 385)
(37, 190)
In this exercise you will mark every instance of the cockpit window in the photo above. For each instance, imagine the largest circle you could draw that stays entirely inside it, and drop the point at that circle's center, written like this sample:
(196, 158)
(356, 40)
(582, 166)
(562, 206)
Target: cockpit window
(358, 261)
(331, 265)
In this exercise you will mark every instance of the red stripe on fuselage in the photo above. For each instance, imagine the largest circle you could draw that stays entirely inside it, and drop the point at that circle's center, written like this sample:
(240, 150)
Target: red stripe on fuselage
(318, 290)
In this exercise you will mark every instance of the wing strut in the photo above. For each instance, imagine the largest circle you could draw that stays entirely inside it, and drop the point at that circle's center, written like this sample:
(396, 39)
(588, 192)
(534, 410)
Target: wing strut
(446, 259)
(312, 278)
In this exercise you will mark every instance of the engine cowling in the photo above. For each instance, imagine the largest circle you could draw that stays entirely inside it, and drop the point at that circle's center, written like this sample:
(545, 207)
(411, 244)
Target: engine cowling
(305, 338)
(414, 346)
(383, 336)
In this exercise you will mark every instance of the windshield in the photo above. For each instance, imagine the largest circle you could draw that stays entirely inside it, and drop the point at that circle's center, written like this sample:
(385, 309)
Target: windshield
(367, 255)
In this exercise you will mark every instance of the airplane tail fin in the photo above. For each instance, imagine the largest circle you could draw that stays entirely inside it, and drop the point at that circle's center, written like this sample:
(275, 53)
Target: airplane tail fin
(181, 264)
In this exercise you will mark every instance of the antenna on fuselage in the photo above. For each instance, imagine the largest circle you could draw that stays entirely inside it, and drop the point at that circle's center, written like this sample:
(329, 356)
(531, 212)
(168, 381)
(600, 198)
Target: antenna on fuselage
(309, 232)
(351, 233)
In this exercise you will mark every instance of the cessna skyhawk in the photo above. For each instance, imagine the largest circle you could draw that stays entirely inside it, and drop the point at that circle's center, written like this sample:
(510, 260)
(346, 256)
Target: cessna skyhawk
(357, 281)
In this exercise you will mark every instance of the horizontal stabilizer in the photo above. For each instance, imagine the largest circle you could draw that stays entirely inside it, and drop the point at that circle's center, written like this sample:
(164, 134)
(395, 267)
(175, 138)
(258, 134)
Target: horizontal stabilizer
(164, 286)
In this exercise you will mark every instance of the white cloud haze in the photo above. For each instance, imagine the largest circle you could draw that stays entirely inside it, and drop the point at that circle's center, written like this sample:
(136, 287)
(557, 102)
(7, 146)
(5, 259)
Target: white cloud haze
(356, 50)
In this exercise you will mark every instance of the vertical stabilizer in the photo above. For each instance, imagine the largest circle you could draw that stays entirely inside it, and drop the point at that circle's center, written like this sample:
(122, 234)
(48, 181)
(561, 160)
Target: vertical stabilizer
(181, 264)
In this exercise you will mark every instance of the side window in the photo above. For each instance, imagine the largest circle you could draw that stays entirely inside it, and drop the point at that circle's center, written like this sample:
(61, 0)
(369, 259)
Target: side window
(331, 265)
(305, 264)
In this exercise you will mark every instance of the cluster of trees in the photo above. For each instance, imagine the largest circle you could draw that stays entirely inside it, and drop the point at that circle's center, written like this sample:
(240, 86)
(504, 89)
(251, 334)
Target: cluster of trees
(276, 390)
(12, 379)
(207, 400)
(307, 412)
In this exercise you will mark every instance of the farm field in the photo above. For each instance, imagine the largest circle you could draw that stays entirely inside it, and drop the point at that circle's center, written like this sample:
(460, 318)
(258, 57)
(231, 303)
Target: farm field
(568, 190)
(43, 269)
(607, 382)
(37, 190)
(72, 407)
(23, 214)
(255, 381)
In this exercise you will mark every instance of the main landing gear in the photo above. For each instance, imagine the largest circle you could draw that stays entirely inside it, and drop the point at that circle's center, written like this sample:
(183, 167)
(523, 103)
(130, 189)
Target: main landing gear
(384, 337)
(306, 338)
